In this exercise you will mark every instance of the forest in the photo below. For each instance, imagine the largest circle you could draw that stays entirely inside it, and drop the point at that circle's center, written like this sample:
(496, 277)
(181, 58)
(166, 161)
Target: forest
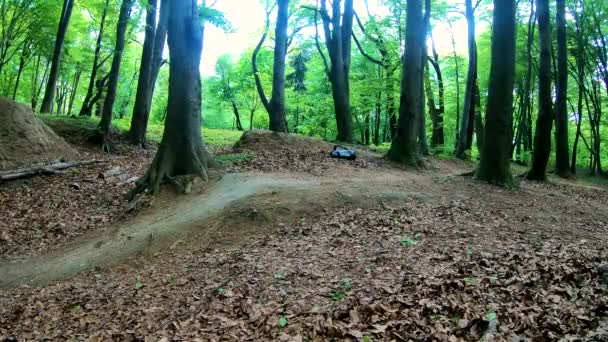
(366, 170)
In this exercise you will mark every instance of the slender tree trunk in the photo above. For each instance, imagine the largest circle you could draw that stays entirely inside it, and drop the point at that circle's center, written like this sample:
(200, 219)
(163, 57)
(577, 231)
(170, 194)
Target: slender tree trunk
(438, 138)
(74, 90)
(544, 121)
(141, 110)
(561, 106)
(457, 70)
(64, 22)
(182, 150)
(479, 135)
(87, 104)
(422, 137)
(404, 147)
(237, 116)
(495, 162)
(108, 105)
(468, 113)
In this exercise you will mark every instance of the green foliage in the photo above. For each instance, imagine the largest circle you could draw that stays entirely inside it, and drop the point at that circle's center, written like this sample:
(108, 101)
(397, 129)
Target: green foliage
(230, 159)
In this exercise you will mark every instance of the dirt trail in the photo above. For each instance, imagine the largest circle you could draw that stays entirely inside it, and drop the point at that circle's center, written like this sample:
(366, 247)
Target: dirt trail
(163, 225)
(148, 231)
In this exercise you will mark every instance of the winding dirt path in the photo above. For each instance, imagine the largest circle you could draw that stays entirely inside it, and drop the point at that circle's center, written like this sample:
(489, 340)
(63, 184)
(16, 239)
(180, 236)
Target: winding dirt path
(148, 231)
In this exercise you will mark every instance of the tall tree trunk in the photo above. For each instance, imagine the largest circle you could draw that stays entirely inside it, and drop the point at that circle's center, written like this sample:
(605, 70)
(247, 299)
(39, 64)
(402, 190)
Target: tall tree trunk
(74, 90)
(468, 112)
(561, 107)
(141, 110)
(457, 70)
(182, 150)
(495, 162)
(422, 137)
(237, 116)
(438, 138)
(544, 121)
(338, 30)
(64, 22)
(404, 147)
(87, 104)
(277, 101)
(108, 105)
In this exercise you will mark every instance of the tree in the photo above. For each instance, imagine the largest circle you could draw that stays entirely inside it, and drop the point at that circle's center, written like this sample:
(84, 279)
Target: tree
(108, 105)
(544, 120)
(182, 150)
(141, 110)
(495, 164)
(468, 113)
(64, 22)
(338, 29)
(87, 104)
(562, 158)
(276, 106)
(404, 147)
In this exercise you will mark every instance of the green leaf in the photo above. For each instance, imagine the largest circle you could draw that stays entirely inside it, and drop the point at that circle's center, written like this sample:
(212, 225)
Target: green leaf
(408, 243)
(280, 276)
(76, 308)
(138, 286)
(418, 236)
(491, 316)
(470, 281)
(282, 321)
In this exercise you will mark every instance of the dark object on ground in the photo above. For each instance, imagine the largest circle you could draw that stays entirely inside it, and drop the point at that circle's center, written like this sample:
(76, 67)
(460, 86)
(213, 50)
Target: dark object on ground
(342, 153)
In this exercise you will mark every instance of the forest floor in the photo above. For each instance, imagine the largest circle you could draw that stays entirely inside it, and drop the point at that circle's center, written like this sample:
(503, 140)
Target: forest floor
(291, 245)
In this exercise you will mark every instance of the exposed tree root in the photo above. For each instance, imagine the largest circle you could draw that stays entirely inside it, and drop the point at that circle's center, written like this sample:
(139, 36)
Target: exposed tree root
(179, 169)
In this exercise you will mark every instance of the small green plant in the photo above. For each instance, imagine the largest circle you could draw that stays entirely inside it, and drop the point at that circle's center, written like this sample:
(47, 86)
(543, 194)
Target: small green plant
(220, 291)
(408, 243)
(342, 291)
(280, 276)
(469, 252)
(491, 316)
(138, 286)
(337, 295)
(470, 281)
(76, 308)
(282, 321)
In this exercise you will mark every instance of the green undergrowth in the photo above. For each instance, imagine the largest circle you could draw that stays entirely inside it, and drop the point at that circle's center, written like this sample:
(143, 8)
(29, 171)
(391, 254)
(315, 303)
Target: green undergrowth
(69, 127)
(231, 159)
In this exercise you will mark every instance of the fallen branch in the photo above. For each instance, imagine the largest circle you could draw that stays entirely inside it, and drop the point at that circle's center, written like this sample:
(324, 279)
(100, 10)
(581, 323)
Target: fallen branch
(42, 169)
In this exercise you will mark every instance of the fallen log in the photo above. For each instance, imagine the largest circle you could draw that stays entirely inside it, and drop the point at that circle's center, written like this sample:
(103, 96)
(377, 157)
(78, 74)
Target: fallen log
(52, 168)
(114, 172)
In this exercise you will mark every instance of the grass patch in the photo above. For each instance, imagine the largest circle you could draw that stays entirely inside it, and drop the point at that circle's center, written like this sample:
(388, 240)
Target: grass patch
(66, 127)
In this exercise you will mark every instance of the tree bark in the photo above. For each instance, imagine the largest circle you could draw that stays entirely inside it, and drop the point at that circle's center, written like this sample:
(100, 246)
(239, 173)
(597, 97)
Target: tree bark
(64, 22)
(338, 31)
(141, 110)
(438, 138)
(182, 151)
(561, 107)
(87, 104)
(495, 162)
(468, 112)
(544, 121)
(108, 105)
(404, 147)
(277, 101)
(422, 137)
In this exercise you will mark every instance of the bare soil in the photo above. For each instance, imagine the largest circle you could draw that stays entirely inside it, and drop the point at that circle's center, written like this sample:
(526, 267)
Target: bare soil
(344, 251)
(25, 139)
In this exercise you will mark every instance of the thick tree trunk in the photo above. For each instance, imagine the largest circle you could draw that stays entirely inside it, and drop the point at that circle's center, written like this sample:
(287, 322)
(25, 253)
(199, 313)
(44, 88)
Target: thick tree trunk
(182, 150)
(141, 110)
(64, 22)
(468, 113)
(496, 153)
(338, 31)
(544, 121)
(277, 117)
(108, 105)
(561, 106)
(87, 104)
(404, 147)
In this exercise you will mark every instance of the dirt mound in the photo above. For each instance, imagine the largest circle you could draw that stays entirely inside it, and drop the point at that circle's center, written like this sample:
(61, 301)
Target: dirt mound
(258, 140)
(24, 138)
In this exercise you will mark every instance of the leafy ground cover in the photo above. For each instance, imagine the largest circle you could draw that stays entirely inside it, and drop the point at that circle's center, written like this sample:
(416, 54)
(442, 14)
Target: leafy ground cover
(457, 260)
